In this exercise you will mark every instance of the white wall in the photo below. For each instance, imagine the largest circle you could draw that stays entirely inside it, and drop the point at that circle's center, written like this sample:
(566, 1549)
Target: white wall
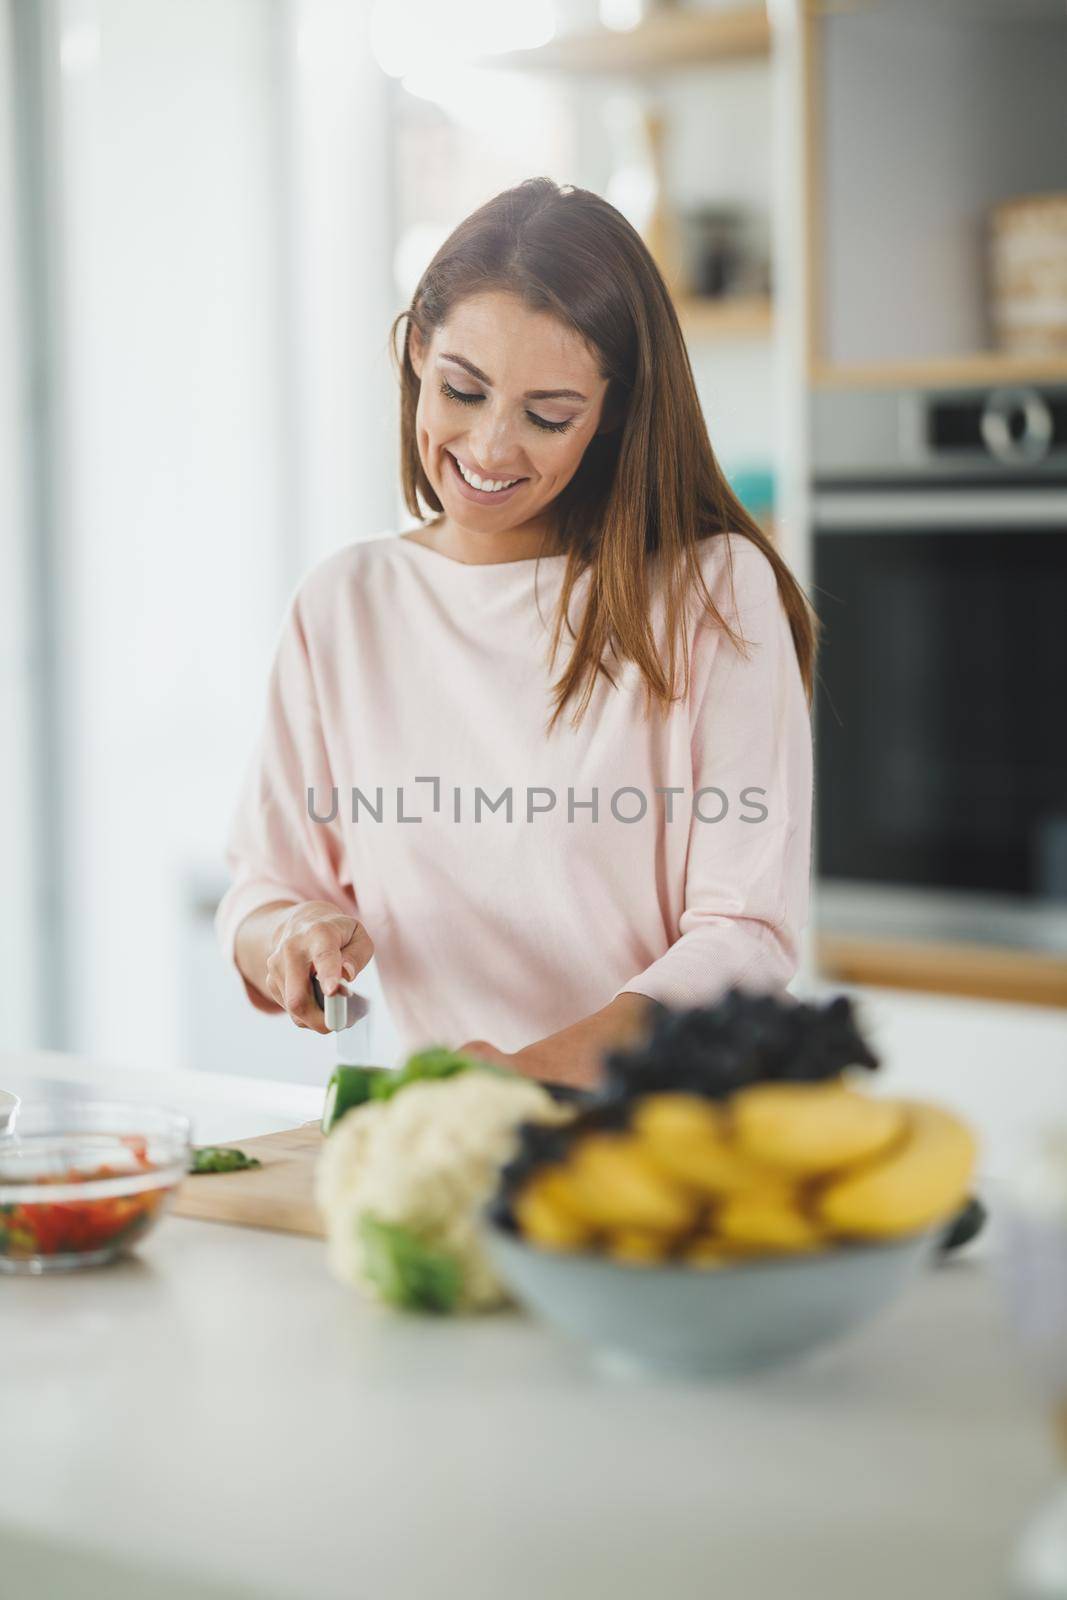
(19, 994)
(343, 406)
(175, 468)
(218, 184)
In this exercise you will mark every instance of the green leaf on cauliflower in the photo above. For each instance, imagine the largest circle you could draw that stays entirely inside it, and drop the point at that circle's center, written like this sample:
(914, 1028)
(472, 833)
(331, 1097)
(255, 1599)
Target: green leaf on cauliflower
(436, 1062)
(406, 1272)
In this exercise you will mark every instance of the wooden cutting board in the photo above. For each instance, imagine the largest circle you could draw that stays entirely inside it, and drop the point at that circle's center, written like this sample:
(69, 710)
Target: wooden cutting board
(278, 1195)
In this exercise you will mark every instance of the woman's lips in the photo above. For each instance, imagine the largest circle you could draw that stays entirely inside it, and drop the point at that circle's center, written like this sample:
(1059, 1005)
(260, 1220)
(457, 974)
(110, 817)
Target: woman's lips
(481, 497)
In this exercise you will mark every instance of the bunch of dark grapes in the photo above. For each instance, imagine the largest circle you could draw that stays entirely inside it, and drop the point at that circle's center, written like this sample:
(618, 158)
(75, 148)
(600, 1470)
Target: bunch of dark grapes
(711, 1051)
(744, 1038)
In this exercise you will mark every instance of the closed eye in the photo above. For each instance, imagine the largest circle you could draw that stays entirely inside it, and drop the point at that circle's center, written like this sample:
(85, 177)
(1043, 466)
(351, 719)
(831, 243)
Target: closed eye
(467, 399)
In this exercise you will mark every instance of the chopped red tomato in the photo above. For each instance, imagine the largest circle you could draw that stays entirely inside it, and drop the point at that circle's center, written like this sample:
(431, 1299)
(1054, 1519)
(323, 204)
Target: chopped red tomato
(70, 1227)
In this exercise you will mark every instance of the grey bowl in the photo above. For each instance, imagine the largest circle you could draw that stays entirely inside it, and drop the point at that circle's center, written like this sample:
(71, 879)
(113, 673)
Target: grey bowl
(716, 1323)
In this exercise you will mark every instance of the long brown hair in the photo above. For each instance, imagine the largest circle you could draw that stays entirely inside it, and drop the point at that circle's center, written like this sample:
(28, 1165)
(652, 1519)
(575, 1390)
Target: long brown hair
(648, 491)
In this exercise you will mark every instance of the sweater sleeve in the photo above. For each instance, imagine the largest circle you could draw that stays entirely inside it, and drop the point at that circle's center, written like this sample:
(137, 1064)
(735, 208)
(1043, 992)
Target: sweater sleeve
(275, 849)
(747, 877)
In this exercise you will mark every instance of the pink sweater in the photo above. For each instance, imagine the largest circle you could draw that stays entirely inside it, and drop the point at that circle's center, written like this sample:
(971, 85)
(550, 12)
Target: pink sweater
(397, 666)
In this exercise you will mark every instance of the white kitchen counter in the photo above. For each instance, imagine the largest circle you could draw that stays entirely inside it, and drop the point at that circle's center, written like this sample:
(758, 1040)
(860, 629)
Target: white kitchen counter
(217, 1417)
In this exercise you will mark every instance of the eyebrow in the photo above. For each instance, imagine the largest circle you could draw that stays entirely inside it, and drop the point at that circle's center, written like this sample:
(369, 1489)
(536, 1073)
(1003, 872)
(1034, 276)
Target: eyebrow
(531, 394)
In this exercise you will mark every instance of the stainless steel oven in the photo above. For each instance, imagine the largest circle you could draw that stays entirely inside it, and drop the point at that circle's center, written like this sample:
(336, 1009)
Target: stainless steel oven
(940, 577)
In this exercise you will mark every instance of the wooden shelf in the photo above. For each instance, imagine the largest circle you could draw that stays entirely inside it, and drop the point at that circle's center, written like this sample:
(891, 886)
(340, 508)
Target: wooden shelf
(986, 972)
(732, 317)
(668, 38)
(985, 366)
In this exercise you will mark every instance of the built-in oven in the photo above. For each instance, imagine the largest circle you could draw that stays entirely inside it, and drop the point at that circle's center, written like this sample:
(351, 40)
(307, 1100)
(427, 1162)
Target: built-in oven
(940, 578)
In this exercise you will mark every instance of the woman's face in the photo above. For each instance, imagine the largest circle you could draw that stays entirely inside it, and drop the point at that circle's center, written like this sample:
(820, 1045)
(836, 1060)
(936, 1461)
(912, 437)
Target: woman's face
(511, 396)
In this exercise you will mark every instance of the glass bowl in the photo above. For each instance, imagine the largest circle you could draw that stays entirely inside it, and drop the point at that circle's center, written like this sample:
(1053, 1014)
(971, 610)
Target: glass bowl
(83, 1181)
(9, 1104)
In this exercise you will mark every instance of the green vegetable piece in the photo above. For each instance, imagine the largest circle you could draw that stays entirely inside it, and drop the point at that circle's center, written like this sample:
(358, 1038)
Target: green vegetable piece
(214, 1158)
(436, 1062)
(347, 1088)
(407, 1272)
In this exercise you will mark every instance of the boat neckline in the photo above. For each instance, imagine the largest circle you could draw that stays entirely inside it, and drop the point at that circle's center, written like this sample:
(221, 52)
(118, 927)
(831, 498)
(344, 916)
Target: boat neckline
(478, 566)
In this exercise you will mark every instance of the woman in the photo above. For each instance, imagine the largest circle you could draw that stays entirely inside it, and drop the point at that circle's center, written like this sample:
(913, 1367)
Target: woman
(547, 755)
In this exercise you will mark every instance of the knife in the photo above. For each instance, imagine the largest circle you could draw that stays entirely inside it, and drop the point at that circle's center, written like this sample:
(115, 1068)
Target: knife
(342, 1009)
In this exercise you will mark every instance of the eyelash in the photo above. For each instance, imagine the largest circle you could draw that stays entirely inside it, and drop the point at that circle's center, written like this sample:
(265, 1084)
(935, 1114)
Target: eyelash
(472, 399)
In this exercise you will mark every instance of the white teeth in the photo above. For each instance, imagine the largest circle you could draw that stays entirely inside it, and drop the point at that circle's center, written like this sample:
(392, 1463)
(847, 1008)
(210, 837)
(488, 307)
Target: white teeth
(483, 483)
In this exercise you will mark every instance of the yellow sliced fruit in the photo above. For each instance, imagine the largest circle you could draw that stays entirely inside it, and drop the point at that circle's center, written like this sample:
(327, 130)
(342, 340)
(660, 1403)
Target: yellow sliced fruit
(767, 1222)
(545, 1215)
(919, 1182)
(708, 1251)
(807, 1129)
(663, 1117)
(616, 1185)
(686, 1139)
(638, 1246)
(711, 1167)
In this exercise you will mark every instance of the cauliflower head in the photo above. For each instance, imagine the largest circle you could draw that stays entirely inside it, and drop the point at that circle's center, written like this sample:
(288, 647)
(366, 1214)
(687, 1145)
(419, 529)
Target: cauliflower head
(401, 1184)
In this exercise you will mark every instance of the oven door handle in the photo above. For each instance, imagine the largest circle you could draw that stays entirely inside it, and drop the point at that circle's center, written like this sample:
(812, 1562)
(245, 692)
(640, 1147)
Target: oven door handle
(953, 510)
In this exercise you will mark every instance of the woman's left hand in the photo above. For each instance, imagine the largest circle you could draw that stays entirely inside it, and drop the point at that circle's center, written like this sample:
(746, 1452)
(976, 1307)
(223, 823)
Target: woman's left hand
(529, 1062)
(575, 1055)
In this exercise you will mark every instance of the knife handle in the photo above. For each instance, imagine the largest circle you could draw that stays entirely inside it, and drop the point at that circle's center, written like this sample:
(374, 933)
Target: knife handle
(342, 1009)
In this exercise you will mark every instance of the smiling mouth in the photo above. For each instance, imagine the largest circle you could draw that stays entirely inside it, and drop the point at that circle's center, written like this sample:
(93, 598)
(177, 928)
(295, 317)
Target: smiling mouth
(488, 494)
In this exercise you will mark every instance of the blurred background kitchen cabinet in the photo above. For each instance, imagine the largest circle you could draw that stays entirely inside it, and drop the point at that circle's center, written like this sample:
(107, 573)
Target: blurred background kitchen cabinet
(921, 120)
(936, 352)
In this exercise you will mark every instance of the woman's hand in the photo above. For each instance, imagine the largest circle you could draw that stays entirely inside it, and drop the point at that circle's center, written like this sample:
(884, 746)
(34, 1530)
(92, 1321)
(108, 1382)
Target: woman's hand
(532, 1061)
(314, 937)
(575, 1055)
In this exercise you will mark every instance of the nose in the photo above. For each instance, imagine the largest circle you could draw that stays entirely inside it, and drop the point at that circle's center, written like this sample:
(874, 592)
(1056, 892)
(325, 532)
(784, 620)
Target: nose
(493, 442)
